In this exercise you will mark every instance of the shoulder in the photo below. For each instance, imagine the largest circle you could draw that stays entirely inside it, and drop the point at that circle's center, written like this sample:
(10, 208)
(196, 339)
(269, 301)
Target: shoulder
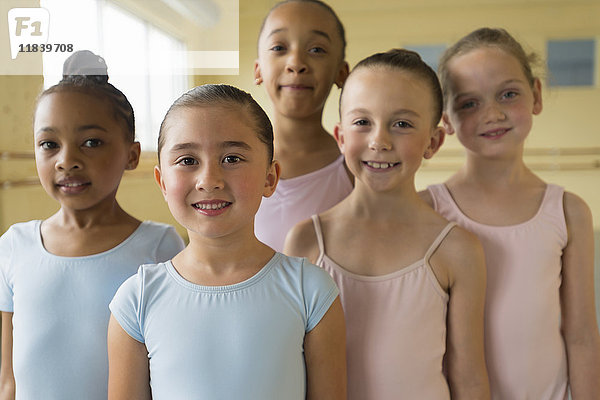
(578, 215)
(28, 228)
(317, 289)
(157, 229)
(427, 197)
(21, 234)
(461, 253)
(575, 206)
(162, 238)
(301, 241)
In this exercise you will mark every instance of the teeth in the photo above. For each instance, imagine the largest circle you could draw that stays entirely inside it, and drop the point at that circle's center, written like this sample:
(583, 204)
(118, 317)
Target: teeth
(73, 184)
(214, 206)
(380, 165)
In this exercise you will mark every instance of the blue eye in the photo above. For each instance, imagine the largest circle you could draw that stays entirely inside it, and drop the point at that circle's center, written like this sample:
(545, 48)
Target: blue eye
(92, 143)
(48, 145)
(467, 104)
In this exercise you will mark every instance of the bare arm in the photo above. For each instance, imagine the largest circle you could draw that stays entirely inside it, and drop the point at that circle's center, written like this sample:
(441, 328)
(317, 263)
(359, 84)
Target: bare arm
(301, 241)
(325, 355)
(467, 374)
(7, 378)
(579, 326)
(129, 373)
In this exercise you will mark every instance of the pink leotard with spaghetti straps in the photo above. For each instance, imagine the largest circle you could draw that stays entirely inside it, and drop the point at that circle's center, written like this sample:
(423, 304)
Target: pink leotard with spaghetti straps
(395, 328)
(524, 349)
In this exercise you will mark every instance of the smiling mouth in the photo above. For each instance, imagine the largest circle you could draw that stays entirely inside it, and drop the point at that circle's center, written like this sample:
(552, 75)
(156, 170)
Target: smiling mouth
(211, 206)
(493, 134)
(380, 165)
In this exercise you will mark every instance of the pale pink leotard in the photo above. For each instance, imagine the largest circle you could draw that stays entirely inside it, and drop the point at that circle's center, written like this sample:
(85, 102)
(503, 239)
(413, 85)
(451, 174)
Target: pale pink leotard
(296, 199)
(395, 329)
(524, 349)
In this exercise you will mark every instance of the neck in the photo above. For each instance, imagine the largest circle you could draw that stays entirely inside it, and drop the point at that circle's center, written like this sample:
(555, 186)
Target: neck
(107, 213)
(495, 172)
(299, 135)
(398, 205)
(224, 254)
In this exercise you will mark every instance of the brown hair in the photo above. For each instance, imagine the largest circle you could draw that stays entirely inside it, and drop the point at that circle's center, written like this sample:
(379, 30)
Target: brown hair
(224, 95)
(406, 60)
(486, 37)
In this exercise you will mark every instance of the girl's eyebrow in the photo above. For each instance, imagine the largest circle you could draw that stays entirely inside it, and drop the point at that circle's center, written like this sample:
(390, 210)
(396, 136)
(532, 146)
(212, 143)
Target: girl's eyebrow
(236, 144)
(223, 145)
(315, 31)
(401, 111)
(50, 129)
(91, 126)
(472, 93)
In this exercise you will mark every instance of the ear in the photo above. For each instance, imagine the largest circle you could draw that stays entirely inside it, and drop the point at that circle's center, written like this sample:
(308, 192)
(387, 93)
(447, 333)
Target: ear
(159, 181)
(273, 174)
(134, 156)
(449, 130)
(342, 75)
(435, 142)
(257, 76)
(339, 136)
(537, 97)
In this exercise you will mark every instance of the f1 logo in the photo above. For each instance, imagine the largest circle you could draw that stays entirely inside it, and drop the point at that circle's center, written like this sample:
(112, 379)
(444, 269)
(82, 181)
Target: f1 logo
(27, 26)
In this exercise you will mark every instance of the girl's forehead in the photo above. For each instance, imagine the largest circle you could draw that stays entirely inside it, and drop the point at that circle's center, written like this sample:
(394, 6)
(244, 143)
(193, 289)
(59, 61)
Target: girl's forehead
(301, 16)
(209, 124)
(72, 105)
(380, 81)
(488, 58)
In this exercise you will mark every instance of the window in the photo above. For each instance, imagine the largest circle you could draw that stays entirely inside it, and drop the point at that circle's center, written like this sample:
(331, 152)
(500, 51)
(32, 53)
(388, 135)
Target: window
(571, 62)
(150, 80)
(429, 53)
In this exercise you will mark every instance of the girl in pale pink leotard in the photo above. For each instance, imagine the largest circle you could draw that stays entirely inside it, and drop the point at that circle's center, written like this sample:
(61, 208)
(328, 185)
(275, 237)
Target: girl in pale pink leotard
(411, 283)
(541, 334)
(301, 50)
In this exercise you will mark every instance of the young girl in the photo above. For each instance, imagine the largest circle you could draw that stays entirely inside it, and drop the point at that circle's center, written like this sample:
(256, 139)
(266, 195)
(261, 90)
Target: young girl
(411, 283)
(58, 275)
(227, 318)
(301, 49)
(540, 325)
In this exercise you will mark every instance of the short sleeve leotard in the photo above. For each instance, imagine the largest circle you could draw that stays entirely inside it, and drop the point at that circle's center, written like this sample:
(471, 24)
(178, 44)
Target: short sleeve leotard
(395, 328)
(60, 307)
(296, 199)
(524, 349)
(240, 341)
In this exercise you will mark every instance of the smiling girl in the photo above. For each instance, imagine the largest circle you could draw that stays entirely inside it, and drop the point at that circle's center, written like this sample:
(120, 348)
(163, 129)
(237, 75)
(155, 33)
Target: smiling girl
(58, 275)
(540, 322)
(411, 283)
(228, 317)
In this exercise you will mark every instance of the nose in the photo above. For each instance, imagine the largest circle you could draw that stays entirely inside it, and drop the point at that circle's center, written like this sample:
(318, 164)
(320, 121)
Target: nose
(68, 159)
(295, 62)
(494, 112)
(210, 178)
(380, 139)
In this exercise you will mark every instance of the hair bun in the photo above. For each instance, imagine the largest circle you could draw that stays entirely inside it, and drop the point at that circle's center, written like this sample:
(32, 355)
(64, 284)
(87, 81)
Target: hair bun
(87, 64)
